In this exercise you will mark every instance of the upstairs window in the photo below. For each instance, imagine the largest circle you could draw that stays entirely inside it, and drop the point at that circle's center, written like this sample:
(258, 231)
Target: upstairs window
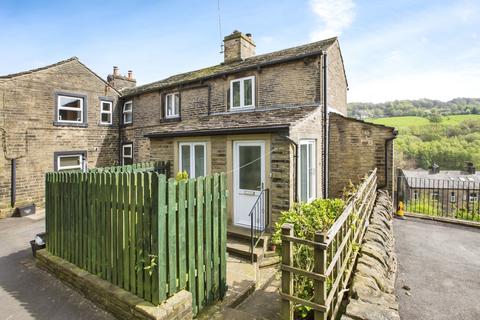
(127, 154)
(172, 105)
(307, 174)
(242, 93)
(70, 109)
(127, 112)
(106, 112)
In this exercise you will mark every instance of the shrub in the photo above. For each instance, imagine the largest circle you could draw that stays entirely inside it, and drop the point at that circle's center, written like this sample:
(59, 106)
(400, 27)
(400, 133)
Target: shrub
(307, 218)
(181, 175)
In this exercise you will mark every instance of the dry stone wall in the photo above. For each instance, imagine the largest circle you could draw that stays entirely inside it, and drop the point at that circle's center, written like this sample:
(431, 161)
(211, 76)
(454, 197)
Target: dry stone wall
(372, 293)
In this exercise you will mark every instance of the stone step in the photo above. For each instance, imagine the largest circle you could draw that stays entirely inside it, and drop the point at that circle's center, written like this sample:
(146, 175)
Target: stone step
(243, 234)
(241, 249)
(269, 261)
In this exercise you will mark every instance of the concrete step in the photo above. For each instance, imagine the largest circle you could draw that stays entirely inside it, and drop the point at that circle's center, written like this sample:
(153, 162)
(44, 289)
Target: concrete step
(241, 249)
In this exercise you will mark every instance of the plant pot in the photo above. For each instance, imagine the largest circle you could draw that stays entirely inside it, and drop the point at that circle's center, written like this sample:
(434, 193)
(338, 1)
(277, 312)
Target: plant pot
(272, 247)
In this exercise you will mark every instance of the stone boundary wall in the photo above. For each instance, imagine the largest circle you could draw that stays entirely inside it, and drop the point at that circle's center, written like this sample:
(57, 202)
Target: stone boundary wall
(372, 293)
(122, 304)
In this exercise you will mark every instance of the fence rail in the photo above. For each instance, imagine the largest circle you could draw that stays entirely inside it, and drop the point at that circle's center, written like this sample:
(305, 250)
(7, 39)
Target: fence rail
(334, 256)
(455, 199)
(146, 234)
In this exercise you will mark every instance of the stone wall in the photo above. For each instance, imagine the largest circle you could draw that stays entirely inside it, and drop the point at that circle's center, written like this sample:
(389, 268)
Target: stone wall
(29, 133)
(122, 304)
(372, 295)
(355, 148)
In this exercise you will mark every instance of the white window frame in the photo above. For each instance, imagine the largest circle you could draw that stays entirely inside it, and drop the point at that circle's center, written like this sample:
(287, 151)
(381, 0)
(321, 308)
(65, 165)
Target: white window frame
(127, 145)
(82, 165)
(415, 195)
(174, 115)
(59, 107)
(473, 198)
(125, 112)
(312, 196)
(435, 195)
(109, 112)
(453, 196)
(192, 156)
(242, 95)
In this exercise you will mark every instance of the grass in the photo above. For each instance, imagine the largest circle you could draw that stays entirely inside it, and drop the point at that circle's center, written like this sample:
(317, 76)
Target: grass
(411, 121)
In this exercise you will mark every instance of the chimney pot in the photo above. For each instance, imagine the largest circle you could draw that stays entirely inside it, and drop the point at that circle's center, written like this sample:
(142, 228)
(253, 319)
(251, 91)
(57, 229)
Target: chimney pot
(130, 74)
(115, 70)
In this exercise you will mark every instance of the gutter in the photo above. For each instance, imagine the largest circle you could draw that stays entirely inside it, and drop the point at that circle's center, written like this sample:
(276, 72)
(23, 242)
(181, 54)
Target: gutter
(217, 132)
(226, 73)
(295, 158)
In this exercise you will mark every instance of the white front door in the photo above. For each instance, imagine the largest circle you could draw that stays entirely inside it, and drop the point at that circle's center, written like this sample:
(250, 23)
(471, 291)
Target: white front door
(249, 178)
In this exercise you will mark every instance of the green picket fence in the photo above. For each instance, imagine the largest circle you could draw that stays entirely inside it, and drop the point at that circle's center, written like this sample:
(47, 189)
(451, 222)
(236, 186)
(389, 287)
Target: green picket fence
(162, 167)
(146, 234)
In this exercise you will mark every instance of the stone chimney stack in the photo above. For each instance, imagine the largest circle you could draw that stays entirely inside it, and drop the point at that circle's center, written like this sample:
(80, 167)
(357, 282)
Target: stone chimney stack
(120, 82)
(238, 47)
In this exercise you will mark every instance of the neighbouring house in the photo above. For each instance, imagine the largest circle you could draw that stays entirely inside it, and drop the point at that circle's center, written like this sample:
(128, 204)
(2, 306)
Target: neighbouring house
(440, 191)
(59, 117)
(274, 121)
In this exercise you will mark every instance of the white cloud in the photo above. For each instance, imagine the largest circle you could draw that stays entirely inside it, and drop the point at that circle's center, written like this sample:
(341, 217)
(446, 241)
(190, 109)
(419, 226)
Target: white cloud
(334, 16)
(436, 84)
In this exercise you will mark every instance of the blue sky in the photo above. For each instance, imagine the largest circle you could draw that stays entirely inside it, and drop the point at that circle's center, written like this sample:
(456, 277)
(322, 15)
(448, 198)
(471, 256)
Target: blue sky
(392, 49)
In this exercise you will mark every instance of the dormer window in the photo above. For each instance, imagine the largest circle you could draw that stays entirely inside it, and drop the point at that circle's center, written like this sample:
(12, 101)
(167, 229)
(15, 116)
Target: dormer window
(127, 112)
(242, 93)
(172, 105)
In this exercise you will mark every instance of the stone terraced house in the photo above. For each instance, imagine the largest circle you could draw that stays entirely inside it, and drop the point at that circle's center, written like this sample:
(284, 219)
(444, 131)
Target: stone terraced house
(260, 118)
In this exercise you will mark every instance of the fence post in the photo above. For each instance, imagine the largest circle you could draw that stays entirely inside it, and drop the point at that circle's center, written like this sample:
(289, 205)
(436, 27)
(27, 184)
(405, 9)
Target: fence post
(320, 265)
(287, 278)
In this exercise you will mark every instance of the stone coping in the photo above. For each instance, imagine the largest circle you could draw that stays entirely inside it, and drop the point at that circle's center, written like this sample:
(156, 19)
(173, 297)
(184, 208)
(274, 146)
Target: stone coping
(121, 303)
(372, 294)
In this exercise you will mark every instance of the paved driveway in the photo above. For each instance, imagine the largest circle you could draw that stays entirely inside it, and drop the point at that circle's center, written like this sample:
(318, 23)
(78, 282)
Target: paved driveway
(27, 292)
(441, 264)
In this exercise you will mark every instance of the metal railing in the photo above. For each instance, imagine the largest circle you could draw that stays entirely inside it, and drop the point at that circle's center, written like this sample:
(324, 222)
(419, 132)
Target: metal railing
(455, 198)
(259, 217)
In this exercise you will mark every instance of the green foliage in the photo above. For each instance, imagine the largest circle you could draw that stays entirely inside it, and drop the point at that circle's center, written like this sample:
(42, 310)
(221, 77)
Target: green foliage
(421, 108)
(307, 219)
(181, 175)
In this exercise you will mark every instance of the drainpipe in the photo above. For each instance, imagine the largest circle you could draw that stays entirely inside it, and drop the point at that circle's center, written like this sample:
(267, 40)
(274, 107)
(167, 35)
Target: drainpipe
(295, 158)
(325, 130)
(13, 183)
(387, 141)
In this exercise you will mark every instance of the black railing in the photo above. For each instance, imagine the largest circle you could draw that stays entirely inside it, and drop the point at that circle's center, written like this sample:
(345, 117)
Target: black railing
(259, 217)
(451, 198)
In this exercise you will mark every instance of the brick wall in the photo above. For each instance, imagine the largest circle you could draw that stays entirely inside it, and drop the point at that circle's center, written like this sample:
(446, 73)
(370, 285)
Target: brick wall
(27, 112)
(355, 148)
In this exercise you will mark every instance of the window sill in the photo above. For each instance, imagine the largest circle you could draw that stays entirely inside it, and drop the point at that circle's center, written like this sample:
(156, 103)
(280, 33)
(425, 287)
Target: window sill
(240, 109)
(106, 125)
(171, 119)
(68, 124)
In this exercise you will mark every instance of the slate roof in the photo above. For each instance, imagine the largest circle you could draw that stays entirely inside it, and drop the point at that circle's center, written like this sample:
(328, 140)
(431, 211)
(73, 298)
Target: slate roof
(445, 179)
(298, 52)
(263, 120)
(22, 73)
